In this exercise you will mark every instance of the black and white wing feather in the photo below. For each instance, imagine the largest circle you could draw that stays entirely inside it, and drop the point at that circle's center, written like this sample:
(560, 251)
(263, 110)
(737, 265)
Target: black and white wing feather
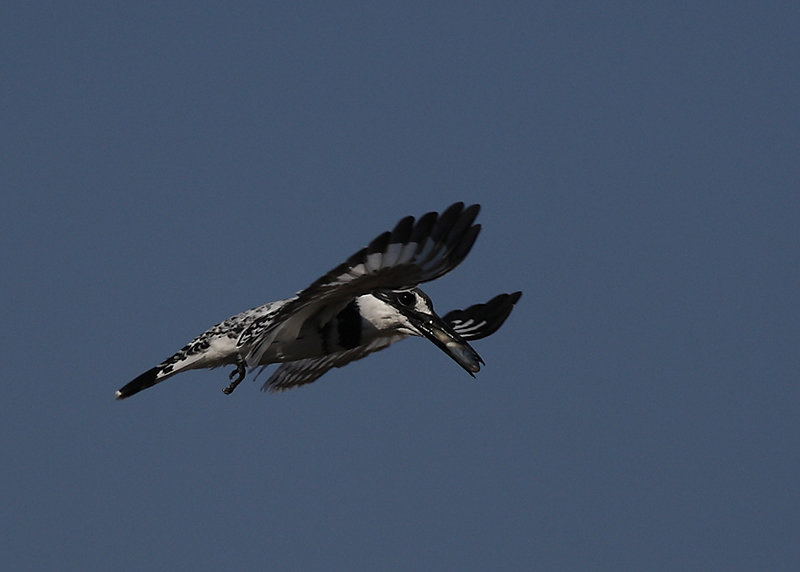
(413, 253)
(481, 320)
(296, 373)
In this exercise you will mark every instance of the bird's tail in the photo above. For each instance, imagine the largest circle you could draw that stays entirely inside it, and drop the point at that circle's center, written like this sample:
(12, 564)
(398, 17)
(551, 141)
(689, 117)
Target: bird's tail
(181, 361)
(147, 379)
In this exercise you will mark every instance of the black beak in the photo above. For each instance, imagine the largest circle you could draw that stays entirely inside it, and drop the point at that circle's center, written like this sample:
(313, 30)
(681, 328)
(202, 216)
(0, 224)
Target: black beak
(446, 339)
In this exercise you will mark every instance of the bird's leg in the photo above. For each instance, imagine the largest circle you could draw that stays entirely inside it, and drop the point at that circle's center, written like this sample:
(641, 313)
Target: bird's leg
(241, 372)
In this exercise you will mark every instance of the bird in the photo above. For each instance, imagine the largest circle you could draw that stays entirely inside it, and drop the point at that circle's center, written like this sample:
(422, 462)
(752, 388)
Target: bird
(362, 306)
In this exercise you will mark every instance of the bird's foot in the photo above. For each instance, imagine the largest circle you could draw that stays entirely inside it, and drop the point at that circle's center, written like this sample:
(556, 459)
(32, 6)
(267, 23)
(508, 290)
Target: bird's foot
(240, 371)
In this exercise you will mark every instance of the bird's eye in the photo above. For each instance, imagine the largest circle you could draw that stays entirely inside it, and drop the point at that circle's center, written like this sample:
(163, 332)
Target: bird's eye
(406, 299)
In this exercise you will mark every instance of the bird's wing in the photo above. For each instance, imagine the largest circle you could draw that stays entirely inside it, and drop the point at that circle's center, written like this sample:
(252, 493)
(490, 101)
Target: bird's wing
(413, 253)
(296, 373)
(482, 320)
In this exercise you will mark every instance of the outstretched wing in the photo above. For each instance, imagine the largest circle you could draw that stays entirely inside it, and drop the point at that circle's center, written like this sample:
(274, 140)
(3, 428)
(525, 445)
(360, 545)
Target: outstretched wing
(474, 323)
(481, 320)
(413, 253)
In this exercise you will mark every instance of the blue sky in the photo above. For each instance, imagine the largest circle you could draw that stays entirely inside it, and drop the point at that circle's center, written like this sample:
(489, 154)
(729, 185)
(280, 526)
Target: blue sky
(167, 165)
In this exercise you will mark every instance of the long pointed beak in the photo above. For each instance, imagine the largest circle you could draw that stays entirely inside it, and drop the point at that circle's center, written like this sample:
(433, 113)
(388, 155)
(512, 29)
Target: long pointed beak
(436, 330)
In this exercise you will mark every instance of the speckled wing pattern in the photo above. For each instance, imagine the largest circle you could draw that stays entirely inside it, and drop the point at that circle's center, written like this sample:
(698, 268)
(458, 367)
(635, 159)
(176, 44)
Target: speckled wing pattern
(474, 323)
(413, 253)
(231, 328)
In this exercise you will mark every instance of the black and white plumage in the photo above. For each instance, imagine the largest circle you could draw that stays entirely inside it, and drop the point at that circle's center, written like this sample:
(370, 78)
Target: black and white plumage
(362, 306)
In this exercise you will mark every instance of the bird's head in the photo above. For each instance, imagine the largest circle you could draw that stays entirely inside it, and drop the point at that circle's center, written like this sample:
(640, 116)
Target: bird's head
(410, 312)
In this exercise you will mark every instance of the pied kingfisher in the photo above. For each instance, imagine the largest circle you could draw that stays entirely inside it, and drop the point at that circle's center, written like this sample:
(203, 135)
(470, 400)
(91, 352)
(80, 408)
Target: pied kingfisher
(359, 307)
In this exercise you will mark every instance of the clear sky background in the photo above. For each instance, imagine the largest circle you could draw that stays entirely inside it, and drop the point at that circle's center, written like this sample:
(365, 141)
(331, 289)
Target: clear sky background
(166, 165)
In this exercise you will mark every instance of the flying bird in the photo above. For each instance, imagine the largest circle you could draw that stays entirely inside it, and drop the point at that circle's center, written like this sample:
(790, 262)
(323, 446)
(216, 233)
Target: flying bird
(362, 306)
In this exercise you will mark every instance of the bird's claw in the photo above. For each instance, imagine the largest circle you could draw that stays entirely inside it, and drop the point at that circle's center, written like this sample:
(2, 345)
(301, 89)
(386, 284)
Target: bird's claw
(240, 371)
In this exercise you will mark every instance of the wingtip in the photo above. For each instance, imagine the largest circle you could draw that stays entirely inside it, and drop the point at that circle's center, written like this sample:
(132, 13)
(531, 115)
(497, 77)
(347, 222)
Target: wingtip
(473, 210)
